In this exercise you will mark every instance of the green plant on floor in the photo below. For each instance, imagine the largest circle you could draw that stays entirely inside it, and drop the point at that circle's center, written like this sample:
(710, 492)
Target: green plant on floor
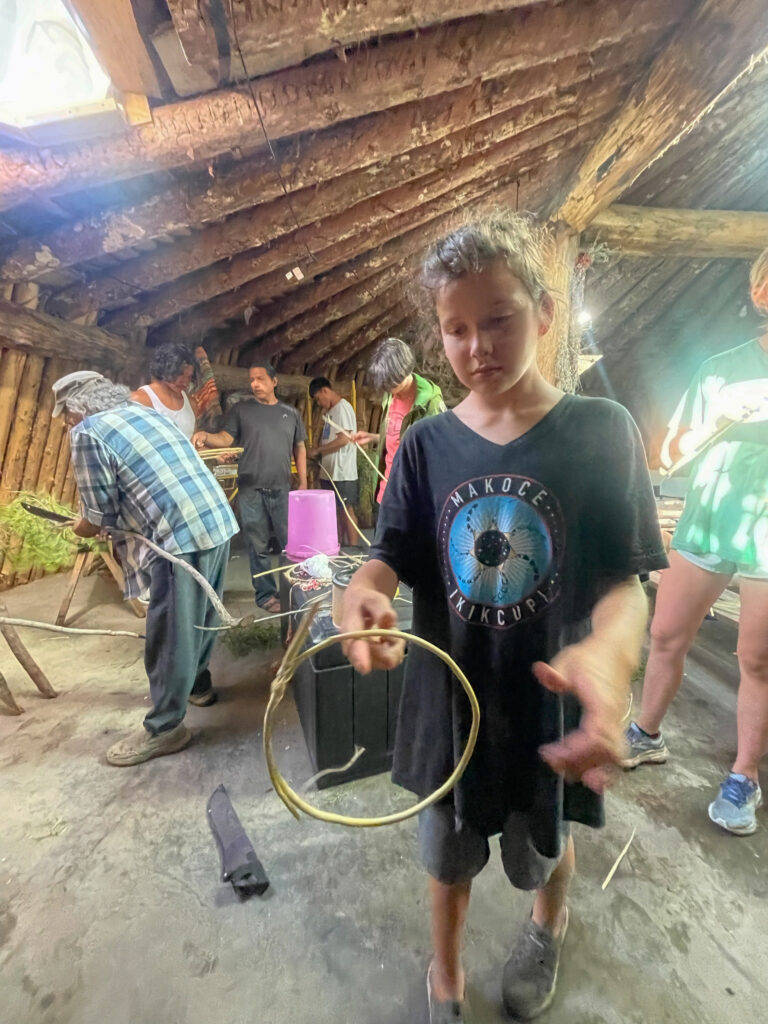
(253, 636)
(33, 543)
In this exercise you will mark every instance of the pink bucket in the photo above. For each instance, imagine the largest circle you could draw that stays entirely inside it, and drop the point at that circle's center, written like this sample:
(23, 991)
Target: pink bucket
(312, 527)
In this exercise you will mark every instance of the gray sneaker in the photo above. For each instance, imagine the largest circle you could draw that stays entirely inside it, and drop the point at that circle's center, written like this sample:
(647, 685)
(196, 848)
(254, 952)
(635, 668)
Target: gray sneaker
(735, 805)
(643, 749)
(449, 1012)
(530, 974)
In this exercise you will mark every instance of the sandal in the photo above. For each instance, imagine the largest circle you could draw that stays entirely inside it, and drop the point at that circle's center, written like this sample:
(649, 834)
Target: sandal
(271, 605)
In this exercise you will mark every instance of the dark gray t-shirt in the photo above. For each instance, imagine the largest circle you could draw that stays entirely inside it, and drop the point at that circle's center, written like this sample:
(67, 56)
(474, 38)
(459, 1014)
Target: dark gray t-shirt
(508, 548)
(268, 434)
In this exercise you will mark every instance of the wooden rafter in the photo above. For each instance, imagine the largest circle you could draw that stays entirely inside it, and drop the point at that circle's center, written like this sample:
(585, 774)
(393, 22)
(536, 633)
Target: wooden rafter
(272, 34)
(342, 330)
(430, 219)
(474, 151)
(354, 222)
(695, 234)
(394, 319)
(329, 91)
(296, 331)
(305, 161)
(705, 55)
(117, 43)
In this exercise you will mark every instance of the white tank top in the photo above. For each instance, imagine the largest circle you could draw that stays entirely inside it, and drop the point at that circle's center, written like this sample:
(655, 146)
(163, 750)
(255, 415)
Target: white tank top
(184, 418)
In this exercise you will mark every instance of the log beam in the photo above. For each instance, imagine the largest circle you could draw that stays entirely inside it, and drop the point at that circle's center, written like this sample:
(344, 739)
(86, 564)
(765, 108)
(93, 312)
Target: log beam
(680, 87)
(426, 221)
(465, 154)
(200, 25)
(355, 222)
(118, 45)
(236, 378)
(39, 334)
(329, 91)
(342, 331)
(275, 34)
(694, 234)
(305, 161)
(296, 332)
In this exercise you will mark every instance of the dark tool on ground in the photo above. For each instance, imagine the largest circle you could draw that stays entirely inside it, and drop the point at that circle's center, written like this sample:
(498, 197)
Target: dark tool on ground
(239, 863)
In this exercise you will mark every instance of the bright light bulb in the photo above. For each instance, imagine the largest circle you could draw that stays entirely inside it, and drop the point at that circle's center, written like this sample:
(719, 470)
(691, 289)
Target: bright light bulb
(584, 317)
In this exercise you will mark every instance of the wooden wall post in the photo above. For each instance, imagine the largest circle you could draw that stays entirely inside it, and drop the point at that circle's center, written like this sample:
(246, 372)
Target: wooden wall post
(557, 361)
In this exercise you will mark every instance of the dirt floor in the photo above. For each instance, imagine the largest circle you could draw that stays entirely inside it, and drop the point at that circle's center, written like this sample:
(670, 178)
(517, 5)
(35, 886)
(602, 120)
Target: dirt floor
(111, 906)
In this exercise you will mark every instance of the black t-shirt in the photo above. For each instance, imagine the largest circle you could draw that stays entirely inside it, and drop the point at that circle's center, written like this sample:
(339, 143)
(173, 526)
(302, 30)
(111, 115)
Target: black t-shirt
(268, 434)
(508, 548)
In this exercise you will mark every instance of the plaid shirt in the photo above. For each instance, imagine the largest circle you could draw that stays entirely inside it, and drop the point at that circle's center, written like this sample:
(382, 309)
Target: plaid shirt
(136, 471)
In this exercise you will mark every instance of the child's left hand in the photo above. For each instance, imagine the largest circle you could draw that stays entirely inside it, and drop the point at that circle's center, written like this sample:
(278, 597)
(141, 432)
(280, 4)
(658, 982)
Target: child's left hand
(592, 672)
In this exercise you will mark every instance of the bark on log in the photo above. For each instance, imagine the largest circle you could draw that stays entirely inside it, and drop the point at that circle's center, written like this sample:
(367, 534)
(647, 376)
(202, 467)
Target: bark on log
(555, 361)
(356, 221)
(236, 378)
(338, 333)
(428, 220)
(40, 334)
(704, 234)
(328, 91)
(284, 340)
(11, 369)
(196, 24)
(679, 89)
(273, 34)
(380, 325)
(305, 161)
(484, 146)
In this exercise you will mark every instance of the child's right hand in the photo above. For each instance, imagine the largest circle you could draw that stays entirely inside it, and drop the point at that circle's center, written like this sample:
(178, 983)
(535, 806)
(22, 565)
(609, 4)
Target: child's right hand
(366, 608)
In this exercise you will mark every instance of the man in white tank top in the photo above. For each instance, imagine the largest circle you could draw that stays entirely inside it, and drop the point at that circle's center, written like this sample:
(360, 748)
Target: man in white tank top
(172, 369)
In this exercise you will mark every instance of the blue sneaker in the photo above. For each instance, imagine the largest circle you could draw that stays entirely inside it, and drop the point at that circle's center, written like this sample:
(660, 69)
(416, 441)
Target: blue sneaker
(736, 804)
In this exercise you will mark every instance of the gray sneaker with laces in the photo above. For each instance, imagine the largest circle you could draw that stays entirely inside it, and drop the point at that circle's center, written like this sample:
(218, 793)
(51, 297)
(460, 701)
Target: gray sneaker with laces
(530, 974)
(643, 749)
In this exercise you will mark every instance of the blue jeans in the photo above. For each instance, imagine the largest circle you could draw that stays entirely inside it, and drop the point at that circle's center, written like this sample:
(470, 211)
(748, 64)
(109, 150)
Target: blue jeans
(264, 513)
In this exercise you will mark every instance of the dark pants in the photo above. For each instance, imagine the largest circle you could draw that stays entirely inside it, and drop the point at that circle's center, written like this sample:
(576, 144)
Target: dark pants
(176, 654)
(264, 513)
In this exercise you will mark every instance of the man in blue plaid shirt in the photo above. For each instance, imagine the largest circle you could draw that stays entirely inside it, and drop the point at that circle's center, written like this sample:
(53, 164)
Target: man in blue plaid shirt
(136, 471)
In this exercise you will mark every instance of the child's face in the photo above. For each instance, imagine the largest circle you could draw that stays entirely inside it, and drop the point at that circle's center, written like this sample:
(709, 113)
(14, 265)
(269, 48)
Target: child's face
(490, 326)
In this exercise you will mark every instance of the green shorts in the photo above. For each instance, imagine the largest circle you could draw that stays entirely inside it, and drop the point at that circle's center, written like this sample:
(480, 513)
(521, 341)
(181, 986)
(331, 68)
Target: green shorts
(714, 563)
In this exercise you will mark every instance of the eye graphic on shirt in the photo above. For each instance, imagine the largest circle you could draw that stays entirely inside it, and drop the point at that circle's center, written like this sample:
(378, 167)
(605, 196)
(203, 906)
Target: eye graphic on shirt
(500, 540)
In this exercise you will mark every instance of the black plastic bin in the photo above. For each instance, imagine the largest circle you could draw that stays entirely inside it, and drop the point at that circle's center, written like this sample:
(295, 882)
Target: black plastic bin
(340, 709)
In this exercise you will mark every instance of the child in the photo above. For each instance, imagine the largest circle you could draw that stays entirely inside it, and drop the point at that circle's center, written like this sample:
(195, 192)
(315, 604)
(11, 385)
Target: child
(521, 520)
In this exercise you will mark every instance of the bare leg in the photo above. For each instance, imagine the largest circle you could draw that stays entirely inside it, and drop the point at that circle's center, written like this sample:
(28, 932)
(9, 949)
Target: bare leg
(549, 905)
(752, 710)
(686, 592)
(449, 912)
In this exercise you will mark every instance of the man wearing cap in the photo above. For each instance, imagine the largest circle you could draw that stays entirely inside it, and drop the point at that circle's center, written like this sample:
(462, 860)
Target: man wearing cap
(137, 473)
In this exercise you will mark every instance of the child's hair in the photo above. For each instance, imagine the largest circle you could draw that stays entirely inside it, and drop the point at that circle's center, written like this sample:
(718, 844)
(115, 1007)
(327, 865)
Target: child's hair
(515, 238)
(390, 364)
(758, 282)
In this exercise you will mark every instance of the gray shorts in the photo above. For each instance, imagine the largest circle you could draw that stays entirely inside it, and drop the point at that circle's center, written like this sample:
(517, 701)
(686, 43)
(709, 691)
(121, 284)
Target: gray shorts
(452, 857)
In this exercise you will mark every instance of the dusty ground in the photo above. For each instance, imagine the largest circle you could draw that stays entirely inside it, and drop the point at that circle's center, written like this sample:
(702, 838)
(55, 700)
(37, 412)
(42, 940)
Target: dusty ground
(111, 906)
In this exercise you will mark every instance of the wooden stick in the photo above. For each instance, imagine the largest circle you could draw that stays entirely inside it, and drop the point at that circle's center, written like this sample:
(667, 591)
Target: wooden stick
(7, 696)
(78, 569)
(7, 620)
(24, 658)
(618, 861)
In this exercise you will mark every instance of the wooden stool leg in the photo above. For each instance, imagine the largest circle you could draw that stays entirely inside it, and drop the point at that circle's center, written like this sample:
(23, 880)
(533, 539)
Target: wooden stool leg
(7, 697)
(83, 558)
(138, 609)
(24, 658)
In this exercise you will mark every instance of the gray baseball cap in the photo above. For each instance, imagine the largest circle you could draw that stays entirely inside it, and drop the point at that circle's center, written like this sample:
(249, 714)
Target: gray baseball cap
(70, 384)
